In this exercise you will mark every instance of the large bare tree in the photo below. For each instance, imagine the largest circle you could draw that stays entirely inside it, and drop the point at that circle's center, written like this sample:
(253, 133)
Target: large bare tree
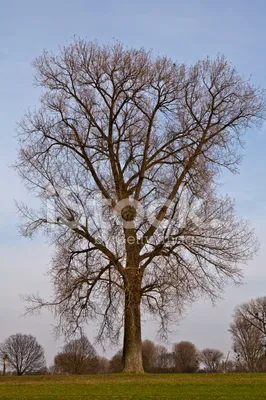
(126, 148)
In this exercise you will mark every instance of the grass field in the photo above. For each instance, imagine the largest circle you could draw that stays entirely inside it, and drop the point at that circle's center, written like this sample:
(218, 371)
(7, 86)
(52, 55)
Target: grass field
(148, 386)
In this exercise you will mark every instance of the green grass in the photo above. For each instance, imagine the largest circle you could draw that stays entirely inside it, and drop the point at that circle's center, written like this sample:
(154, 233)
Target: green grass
(147, 386)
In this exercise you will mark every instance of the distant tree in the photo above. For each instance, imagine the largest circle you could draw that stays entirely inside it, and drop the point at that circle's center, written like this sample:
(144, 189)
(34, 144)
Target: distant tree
(149, 355)
(103, 365)
(24, 354)
(52, 369)
(78, 357)
(186, 357)
(116, 362)
(164, 362)
(248, 342)
(3, 360)
(211, 359)
(229, 365)
(254, 313)
(149, 137)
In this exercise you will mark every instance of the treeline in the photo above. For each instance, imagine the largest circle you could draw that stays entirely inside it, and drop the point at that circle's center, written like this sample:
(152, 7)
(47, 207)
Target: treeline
(22, 354)
(184, 358)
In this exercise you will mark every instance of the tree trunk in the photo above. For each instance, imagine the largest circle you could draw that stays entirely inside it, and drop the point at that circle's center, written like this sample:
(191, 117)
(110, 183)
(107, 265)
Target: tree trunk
(4, 367)
(132, 349)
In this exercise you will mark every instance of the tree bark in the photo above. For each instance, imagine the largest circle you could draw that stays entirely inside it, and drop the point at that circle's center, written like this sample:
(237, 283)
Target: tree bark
(132, 349)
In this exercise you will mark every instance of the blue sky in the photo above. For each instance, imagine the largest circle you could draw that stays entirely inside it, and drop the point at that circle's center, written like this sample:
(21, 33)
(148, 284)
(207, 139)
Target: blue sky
(184, 30)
